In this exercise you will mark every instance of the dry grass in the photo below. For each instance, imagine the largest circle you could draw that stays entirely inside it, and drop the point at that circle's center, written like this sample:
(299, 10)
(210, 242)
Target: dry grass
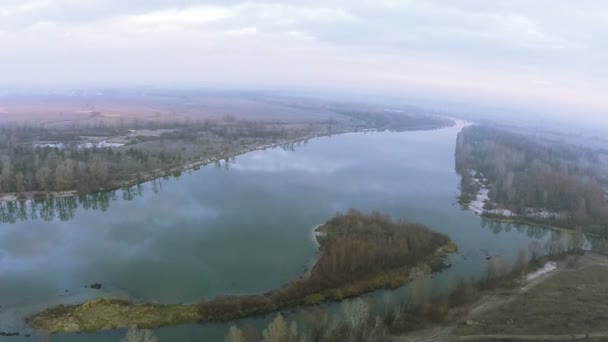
(104, 314)
(574, 301)
(60, 110)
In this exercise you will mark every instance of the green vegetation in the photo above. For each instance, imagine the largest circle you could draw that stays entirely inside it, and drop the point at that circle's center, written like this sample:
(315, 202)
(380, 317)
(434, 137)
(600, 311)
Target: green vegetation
(104, 314)
(543, 182)
(358, 253)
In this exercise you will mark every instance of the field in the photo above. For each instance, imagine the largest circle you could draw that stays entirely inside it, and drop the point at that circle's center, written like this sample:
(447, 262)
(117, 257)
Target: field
(90, 141)
(574, 301)
(60, 109)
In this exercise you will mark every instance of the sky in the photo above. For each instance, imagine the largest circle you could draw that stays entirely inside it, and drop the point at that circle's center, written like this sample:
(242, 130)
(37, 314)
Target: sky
(540, 52)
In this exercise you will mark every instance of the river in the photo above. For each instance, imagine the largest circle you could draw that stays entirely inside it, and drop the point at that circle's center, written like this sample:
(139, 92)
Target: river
(240, 228)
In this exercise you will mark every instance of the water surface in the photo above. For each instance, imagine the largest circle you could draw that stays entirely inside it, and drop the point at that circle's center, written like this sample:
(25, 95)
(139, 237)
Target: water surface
(240, 228)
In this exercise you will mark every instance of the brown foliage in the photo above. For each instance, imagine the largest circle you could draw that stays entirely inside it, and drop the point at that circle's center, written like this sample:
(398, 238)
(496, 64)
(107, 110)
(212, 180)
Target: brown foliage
(359, 253)
(526, 174)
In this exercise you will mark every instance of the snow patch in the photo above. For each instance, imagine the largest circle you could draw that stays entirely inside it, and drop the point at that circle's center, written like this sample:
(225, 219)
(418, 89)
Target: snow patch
(501, 212)
(63, 146)
(586, 244)
(548, 268)
(477, 205)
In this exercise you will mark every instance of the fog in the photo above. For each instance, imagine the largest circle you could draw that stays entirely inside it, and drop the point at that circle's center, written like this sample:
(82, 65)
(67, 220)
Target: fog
(546, 56)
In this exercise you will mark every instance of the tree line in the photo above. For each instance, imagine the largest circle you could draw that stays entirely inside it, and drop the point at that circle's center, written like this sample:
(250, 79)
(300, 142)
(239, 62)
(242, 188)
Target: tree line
(29, 167)
(528, 176)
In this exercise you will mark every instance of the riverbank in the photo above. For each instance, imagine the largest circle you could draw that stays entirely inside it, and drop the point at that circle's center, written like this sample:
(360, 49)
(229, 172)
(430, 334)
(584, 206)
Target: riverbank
(139, 178)
(354, 259)
(508, 174)
(467, 312)
(480, 202)
(159, 173)
(585, 243)
(570, 301)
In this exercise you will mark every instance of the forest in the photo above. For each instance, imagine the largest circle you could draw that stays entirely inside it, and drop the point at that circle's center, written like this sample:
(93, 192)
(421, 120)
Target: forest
(545, 182)
(42, 160)
(27, 167)
(358, 253)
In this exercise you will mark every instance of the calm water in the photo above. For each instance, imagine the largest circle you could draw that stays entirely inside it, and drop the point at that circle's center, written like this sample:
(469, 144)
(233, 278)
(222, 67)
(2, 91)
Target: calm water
(241, 229)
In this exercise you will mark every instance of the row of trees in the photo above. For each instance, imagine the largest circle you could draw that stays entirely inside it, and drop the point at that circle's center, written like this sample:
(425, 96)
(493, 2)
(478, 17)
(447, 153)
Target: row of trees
(383, 119)
(26, 166)
(527, 176)
(29, 169)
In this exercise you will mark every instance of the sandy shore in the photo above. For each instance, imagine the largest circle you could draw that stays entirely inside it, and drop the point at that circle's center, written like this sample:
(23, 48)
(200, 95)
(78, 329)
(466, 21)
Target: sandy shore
(314, 234)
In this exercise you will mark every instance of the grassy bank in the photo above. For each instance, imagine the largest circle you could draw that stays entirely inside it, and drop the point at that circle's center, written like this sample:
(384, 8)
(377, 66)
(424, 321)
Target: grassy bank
(575, 301)
(104, 314)
(358, 253)
(385, 319)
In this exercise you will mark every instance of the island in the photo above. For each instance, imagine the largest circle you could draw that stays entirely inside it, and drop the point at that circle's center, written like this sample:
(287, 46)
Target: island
(358, 253)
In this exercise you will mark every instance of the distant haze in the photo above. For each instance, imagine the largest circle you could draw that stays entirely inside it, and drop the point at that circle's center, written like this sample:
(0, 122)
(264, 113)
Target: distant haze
(548, 54)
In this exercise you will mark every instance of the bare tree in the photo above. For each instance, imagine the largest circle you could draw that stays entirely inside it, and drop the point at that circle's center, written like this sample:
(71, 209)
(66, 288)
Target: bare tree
(234, 335)
(356, 313)
(136, 335)
(293, 331)
(320, 324)
(376, 332)
(276, 330)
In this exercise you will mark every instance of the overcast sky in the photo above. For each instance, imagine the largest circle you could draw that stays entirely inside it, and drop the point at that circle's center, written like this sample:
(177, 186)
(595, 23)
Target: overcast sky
(532, 51)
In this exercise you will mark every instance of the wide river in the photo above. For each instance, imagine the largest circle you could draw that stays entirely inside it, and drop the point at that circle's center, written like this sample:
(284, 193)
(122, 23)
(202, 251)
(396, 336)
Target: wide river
(244, 228)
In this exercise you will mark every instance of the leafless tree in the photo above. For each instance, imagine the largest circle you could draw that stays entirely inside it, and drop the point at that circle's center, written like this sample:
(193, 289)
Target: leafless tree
(276, 330)
(356, 314)
(234, 335)
(136, 335)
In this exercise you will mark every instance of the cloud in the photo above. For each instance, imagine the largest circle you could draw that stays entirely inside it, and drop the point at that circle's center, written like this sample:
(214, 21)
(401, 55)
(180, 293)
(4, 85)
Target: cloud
(189, 16)
(541, 50)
